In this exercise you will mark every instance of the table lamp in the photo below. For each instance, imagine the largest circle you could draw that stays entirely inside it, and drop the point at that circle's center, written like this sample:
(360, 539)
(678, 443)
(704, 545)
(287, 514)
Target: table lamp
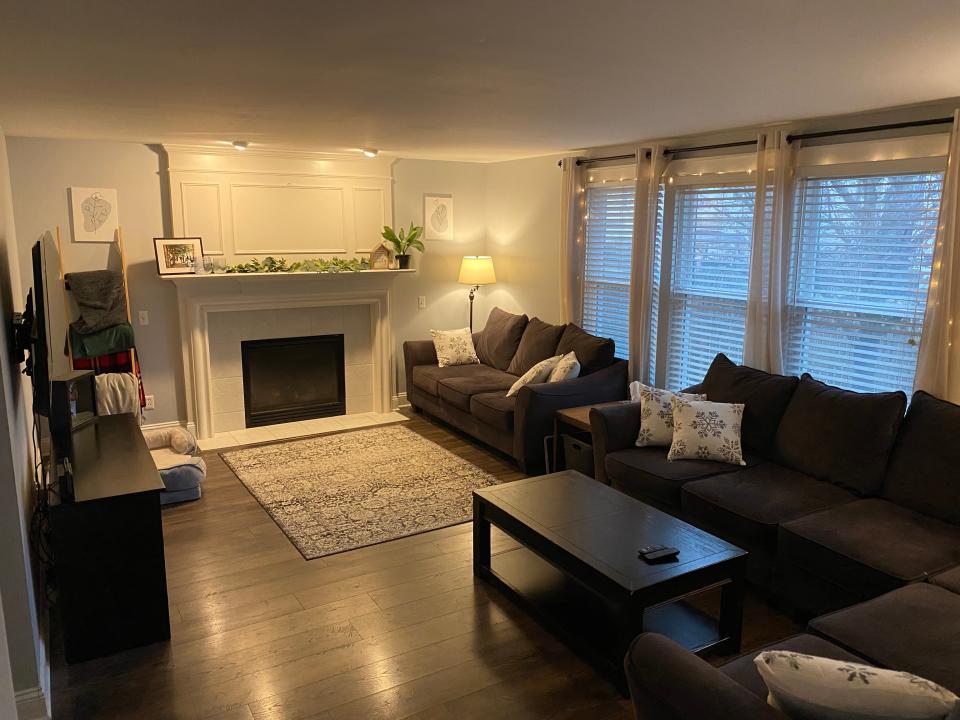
(476, 270)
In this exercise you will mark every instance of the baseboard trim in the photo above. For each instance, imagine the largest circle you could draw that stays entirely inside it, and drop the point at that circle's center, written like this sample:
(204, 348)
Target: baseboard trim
(31, 704)
(169, 424)
(400, 401)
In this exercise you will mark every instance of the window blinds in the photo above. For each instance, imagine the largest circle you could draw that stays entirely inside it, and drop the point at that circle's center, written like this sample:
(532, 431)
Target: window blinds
(711, 242)
(608, 253)
(860, 268)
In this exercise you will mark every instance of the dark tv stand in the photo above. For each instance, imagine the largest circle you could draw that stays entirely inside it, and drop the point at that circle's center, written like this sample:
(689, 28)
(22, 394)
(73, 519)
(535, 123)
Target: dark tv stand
(108, 544)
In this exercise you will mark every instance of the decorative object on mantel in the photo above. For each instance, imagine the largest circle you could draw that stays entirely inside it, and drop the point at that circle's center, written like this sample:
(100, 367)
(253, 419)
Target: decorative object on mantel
(93, 214)
(380, 258)
(313, 265)
(476, 270)
(403, 241)
(328, 494)
(177, 256)
(438, 217)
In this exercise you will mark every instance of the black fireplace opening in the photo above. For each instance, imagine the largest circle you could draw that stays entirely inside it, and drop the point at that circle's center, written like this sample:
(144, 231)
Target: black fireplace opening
(290, 379)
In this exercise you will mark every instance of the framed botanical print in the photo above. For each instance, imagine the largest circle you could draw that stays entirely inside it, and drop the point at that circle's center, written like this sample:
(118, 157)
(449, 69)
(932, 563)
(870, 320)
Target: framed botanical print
(177, 256)
(438, 217)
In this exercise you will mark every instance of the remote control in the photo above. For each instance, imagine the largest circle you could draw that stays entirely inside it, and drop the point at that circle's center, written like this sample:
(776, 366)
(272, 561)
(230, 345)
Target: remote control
(658, 552)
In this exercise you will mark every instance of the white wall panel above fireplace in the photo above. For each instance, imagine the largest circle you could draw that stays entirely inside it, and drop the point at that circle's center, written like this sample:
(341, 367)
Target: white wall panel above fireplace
(260, 203)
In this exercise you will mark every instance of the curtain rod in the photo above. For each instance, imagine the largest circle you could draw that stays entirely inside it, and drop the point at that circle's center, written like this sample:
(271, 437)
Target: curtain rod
(587, 161)
(870, 128)
(719, 146)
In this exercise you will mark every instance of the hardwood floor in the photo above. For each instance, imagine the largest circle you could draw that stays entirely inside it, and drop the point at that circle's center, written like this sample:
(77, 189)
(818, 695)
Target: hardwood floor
(397, 630)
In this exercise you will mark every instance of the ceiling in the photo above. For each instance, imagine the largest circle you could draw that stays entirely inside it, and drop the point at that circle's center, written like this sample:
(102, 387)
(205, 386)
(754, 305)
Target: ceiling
(481, 80)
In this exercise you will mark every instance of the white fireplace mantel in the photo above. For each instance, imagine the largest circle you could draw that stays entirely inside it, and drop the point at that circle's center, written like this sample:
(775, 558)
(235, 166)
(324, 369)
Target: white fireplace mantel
(200, 295)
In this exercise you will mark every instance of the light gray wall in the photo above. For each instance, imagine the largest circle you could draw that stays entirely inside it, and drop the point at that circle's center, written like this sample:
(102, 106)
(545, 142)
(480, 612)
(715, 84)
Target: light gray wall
(24, 620)
(509, 210)
(41, 170)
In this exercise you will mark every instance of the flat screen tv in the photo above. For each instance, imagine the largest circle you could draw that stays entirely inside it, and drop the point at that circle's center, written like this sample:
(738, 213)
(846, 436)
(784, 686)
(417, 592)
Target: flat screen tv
(38, 366)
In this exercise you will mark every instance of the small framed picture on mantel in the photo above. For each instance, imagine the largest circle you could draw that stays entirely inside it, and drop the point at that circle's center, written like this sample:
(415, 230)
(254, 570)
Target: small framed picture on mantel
(177, 256)
(438, 217)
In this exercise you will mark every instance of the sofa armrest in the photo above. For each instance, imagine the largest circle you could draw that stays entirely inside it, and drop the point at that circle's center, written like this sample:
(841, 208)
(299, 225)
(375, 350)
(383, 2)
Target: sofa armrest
(668, 682)
(416, 352)
(536, 405)
(612, 428)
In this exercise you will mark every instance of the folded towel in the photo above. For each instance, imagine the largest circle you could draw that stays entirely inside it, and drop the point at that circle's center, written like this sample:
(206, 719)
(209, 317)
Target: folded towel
(103, 342)
(117, 393)
(100, 298)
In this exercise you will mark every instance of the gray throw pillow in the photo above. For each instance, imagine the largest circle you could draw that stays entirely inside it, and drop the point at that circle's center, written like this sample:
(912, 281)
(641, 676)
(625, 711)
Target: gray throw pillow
(500, 338)
(539, 342)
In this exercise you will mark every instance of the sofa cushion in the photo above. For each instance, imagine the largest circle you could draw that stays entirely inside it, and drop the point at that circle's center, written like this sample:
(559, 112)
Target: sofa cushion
(871, 546)
(840, 436)
(765, 397)
(744, 671)
(924, 471)
(594, 353)
(646, 474)
(495, 409)
(500, 338)
(539, 342)
(458, 390)
(915, 629)
(428, 377)
(751, 503)
(949, 580)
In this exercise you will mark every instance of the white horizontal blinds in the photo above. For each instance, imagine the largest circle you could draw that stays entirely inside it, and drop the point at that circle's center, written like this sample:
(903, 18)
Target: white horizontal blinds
(712, 238)
(862, 249)
(609, 249)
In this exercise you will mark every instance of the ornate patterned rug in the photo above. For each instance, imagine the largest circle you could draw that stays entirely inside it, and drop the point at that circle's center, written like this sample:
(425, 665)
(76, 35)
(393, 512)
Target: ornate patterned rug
(343, 491)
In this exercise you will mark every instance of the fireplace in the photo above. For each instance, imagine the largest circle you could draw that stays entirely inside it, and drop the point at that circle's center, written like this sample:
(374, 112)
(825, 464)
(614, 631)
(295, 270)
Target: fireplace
(290, 379)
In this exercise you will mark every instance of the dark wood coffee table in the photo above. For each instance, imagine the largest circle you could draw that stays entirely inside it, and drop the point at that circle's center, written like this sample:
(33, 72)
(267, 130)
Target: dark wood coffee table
(578, 570)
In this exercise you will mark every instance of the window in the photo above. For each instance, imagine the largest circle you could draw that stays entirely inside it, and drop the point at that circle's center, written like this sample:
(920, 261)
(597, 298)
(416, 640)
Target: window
(608, 254)
(701, 277)
(860, 268)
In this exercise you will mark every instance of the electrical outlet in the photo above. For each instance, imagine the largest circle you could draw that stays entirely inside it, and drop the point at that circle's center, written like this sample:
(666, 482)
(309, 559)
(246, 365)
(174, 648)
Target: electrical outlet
(143, 317)
(422, 302)
(151, 405)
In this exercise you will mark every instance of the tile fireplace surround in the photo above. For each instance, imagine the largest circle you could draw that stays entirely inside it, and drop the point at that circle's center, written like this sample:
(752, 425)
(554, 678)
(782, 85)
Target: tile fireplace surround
(217, 312)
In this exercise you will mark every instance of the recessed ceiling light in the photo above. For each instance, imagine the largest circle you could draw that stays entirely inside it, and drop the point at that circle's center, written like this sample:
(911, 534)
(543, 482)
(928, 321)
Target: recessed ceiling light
(370, 152)
(240, 144)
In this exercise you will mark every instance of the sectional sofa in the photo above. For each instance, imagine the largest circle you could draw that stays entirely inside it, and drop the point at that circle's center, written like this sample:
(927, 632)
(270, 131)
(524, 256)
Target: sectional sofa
(915, 629)
(843, 497)
(473, 398)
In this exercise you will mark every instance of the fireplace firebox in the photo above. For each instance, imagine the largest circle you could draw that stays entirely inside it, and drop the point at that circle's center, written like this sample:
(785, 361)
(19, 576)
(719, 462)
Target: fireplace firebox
(290, 379)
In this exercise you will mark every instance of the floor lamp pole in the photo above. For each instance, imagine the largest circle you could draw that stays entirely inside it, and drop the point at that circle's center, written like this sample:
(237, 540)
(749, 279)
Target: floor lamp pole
(473, 291)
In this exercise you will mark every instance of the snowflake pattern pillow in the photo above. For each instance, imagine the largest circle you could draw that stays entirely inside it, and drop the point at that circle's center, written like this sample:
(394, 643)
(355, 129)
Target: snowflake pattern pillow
(454, 347)
(567, 369)
(539, 373)
(807, 687)
(656, 413)
(706, 431)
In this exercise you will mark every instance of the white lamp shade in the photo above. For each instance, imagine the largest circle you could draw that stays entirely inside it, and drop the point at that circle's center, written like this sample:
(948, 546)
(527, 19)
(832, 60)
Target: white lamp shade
(477, 270)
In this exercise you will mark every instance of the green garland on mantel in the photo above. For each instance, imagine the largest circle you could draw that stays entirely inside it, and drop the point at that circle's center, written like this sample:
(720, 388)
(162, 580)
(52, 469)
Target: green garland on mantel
(314, 265)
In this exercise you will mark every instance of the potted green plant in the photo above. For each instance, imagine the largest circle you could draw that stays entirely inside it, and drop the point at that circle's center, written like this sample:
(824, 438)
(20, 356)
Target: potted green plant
(404, 240)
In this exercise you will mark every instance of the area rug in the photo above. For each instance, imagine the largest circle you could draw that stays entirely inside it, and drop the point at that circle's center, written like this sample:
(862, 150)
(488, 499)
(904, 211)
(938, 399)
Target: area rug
(343, 491)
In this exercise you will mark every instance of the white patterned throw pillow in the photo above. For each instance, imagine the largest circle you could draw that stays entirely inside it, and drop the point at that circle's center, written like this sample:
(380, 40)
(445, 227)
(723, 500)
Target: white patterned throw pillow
(537, 374)
(706, 431)
(807, 687)
(567, 369)
(454, 347)
(656, 413)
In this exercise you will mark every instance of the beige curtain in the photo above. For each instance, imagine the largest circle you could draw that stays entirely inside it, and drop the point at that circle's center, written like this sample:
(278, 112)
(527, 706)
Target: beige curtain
(572, 246)
(770, 255)
(649, 174)
(938, 363)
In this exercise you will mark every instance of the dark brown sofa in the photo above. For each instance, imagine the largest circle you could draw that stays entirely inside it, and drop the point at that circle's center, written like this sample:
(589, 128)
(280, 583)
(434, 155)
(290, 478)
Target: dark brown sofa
(669, 683)
(837, 503)
(473, 398)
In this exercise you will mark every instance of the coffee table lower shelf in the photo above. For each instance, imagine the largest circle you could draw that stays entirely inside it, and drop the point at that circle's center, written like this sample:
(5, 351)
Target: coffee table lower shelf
(587, 622)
